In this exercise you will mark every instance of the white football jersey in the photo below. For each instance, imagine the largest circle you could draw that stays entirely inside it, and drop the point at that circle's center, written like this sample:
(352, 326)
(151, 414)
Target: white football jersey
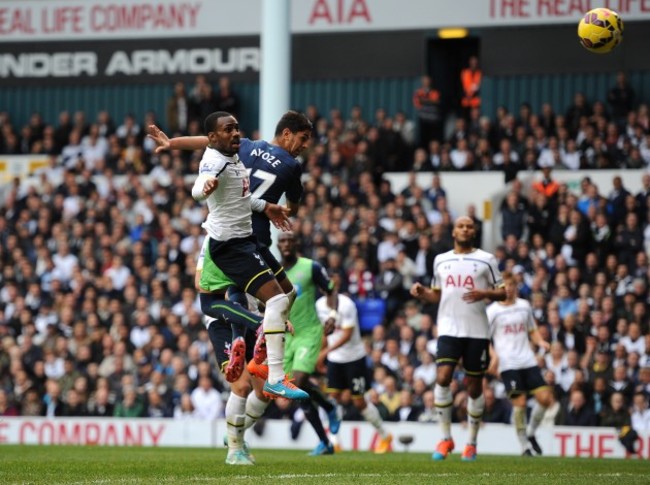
(509, 327)
(454, 274)
(353, 349)
(230, 204)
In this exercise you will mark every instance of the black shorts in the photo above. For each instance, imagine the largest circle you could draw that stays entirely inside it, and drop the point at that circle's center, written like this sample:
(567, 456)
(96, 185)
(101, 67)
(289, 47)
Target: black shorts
(221, 337)
(351, 375)
(276, 267)
(522, 381)
(241, 261)
(473, 351)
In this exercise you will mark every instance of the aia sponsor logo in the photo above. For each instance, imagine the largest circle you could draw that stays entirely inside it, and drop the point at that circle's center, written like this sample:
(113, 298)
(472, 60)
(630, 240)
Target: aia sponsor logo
(460, 281)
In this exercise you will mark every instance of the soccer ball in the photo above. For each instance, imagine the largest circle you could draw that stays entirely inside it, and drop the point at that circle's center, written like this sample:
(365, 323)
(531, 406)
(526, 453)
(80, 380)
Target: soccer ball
(600, 30)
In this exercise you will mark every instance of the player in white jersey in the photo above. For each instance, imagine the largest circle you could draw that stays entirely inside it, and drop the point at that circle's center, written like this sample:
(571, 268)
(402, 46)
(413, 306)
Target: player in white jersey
(463, 279)
(223, 182)
(513, 328)
(346, 361)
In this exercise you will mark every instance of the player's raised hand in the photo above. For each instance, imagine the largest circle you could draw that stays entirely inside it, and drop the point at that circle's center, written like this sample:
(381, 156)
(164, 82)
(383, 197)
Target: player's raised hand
(159, 137)
(278, 215)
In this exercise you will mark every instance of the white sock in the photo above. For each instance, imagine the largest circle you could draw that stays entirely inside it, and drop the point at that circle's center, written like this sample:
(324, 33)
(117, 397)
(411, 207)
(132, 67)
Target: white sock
(255, 408)
(235, 417)
(519, 419)
(273, 324)
(475, 408)
(535, 419)
(371, 414)
(444, 402)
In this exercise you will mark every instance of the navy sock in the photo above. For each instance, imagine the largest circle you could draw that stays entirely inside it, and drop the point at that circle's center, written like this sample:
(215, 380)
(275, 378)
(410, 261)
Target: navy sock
(311, 414)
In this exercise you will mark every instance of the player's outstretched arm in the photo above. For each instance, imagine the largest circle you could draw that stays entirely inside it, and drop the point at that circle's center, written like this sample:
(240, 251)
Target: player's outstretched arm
(163, 142)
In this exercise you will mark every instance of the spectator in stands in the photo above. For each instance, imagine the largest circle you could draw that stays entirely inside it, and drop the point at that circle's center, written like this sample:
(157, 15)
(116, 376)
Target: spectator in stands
(156, 406)
(577, 413)
(128, 128)
(227, 99)
(62, 131)
(389, 286)
(621, 383)
(547, 186)
(99, 404)
(579, 109)
(7, 407)
(616, 414)
(74, 405)
(184, 409)
(496, 410)
(178, 110)
(640, 417)
(390, 397)
(72, 151)
(470, 78)
(206, 400)
(407, 411)
(513, 218)
(621, 98)
(427, 103)
(130, 406)
(53, 404)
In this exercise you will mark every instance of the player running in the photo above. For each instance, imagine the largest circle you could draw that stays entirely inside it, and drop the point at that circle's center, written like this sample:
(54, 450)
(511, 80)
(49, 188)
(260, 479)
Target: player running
(346, 361)
(512, 329)
(463, 279)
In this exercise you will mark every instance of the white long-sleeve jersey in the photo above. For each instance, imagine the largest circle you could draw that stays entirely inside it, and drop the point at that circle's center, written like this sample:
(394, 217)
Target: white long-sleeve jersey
(229, 205)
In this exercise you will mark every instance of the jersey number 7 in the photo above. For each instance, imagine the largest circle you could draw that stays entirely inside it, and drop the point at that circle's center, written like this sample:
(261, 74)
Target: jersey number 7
(267, 179)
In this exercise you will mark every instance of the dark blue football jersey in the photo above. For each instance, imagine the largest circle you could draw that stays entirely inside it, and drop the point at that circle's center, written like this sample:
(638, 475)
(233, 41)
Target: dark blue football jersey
(272, 172)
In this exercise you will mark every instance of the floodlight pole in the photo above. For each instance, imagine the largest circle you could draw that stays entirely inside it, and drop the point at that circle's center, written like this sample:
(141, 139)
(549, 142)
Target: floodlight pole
(275, 75)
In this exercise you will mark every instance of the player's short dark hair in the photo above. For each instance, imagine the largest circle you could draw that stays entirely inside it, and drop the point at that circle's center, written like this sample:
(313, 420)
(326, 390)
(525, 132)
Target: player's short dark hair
(210, 123)
(294, 121)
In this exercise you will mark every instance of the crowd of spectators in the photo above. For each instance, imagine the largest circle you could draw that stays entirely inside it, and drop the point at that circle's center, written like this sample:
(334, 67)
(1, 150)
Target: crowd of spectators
(98, 314)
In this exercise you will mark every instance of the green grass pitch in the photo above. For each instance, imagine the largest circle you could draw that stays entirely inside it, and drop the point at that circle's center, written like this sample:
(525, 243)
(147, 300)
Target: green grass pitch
(107, 465)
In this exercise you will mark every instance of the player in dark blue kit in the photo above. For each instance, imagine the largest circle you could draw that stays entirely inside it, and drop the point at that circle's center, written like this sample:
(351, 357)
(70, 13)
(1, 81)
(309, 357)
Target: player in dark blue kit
(273, 171)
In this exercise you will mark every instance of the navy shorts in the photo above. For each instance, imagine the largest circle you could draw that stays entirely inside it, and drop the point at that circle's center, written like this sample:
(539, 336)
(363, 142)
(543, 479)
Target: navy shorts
(221, 337)
(351, 375)
(473, 351)
(522, 381)
(240, 260)
(274, 264)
